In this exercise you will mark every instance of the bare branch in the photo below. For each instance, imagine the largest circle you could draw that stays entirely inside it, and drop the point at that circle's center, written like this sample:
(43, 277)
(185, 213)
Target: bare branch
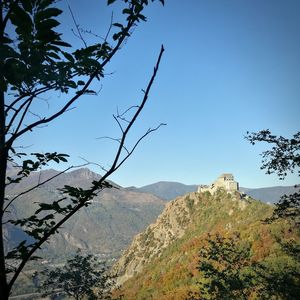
(118, 122)
(23, 115)
(110, 27)
(29, 94)
(140, 108)
(93, 163)
(101, 183)
(17, 111)
(127, 110)
(150, 130)
(40, 184)
(77, 27)
(78, 94)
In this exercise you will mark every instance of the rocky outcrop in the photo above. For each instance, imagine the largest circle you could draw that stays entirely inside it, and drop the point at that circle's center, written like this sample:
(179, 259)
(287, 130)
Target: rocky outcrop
(170, 225)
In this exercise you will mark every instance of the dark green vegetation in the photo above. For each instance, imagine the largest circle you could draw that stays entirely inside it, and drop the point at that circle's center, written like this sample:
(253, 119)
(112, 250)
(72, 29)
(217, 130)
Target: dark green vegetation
(178, 270)
(228, 271)
(35, 63)
(82, 277)
(281, 159)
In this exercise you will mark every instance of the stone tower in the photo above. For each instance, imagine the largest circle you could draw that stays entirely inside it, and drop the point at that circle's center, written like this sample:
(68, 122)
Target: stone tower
(224, 181)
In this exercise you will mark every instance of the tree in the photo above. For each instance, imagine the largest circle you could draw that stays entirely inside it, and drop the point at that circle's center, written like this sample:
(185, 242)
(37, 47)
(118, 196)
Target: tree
(228, 271)
(224, 269)
(226, 266)
(81, 277)
(284, 157)
(33, 62)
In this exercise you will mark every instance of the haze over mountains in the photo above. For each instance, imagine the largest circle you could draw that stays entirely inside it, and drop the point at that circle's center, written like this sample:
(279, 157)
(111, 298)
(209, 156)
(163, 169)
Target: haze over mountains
(169, 190)
(108, 225)
(105, 227)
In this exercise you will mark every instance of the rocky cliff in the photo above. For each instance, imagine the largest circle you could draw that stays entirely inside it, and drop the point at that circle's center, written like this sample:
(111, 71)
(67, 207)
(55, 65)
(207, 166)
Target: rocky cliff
(170, 226)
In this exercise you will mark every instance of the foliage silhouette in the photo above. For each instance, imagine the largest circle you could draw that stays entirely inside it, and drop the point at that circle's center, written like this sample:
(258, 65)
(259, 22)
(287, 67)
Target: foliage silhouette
(284, 157)
(35, 60)
(81, 277)
(228, 271)
(224, 268)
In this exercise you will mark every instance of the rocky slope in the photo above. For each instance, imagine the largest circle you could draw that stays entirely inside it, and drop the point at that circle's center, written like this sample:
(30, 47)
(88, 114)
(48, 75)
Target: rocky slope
(161, 262)
(169, 226)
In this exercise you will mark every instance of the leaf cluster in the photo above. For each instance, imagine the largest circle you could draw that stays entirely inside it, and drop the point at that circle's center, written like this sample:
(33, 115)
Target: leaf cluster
(33, 62)
(81, 277)
(224, 266)
(284, 155)
(227, 271)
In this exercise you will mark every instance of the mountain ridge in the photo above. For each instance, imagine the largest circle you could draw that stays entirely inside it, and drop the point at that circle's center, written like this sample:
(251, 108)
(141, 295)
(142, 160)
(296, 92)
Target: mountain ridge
(106, 226)
(150, 269)
(169, 190)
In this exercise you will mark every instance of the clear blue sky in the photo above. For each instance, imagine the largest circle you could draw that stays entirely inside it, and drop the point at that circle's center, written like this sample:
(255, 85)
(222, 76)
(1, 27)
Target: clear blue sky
(229, 67)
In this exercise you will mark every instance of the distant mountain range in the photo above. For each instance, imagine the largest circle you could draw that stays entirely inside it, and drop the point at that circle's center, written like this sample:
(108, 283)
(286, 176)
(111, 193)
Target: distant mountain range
(108, 225)
(105, 227)
(270, 194)
(169, 190)
(166, 190)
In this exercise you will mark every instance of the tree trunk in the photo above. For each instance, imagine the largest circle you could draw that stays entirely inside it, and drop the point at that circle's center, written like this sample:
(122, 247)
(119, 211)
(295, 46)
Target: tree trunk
(3, 164)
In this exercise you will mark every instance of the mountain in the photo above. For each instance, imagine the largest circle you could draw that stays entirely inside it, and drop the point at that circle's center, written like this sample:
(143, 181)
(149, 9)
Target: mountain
(161, 263)
(270, 194)
(105, 227)
(166, 190)
(109, 224)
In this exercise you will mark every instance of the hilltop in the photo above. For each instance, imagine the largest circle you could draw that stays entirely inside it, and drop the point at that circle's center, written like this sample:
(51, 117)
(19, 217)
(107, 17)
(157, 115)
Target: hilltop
(168, 190)
(161, 262)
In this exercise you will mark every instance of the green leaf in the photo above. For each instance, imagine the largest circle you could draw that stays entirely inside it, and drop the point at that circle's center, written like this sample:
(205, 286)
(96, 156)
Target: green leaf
(54, 55)
(109, 2)
(61, 43)
(47, 24)
(118, 25)
(62, 158)
(68, 56)
(47, 13)
(27, 5)
(73, 85)
(116, 36)
(21, 19)
(44, 3)
(126, 11)
(80, 82)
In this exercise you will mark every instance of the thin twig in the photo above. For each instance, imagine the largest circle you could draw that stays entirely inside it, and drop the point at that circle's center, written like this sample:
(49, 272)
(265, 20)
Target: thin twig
(77, 27)
(101, 183)
(79, 93)
(41, 183)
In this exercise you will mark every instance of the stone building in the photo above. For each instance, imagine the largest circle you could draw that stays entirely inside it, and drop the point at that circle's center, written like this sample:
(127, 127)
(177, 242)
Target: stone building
(224, 181)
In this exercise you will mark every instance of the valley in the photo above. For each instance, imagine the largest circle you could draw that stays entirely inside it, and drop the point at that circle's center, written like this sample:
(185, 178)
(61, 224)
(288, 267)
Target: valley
(139, 229)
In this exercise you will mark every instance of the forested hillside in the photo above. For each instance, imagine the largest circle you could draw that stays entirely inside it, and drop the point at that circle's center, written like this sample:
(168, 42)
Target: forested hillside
(163, 262)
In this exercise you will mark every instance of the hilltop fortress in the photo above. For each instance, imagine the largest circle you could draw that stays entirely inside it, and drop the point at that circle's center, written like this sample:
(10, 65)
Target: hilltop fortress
(224, 181)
